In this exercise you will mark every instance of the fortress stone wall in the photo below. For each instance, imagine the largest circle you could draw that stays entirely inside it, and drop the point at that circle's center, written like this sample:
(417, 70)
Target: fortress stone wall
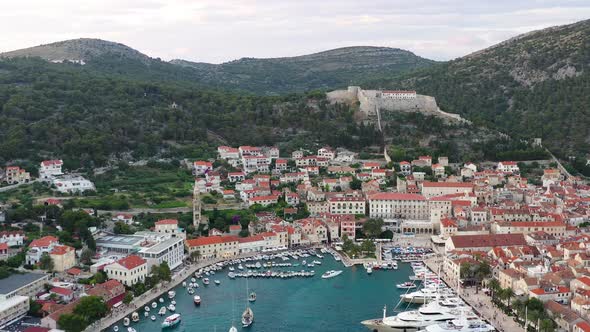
(371, 101)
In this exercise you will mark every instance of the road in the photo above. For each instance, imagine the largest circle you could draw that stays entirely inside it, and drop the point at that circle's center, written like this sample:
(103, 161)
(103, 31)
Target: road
(14, 186)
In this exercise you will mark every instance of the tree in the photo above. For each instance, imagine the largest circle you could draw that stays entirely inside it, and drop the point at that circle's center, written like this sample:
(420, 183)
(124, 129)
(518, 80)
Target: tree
(128, 297)
(34, 308)
(494, 286)
(373, 227)
(46, 263)
(368, 247)
(91, 308)
(100, 277)
(71, 323)
(546, 325)
(86, 256)
(162, 271)
(122, 228)
(355, 184)
(508, 293)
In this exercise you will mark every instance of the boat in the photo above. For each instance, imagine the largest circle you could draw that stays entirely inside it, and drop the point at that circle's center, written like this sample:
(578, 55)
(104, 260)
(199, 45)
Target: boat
(247, 317)
(130, 329)
(258, 265)
(116, 328)
(206, 281)
(146, 314)
(369, 270)
(173, 302)
(240, 267)
(231, 269)
(406, 285)
(422, 296)
(414, 320)
(331, 274)
(184, 284)
(461, 325)
(233, 329)
(153, 317)
(161, 300)
(191, 291)
(197, 300)
(231, 275)
(146, 308)
(154, 305)
(126, 321)
(171, 294)
(171, 320)
(135, 317)
(252, 297)
(162, 311)
(217, 282)
(171, 307)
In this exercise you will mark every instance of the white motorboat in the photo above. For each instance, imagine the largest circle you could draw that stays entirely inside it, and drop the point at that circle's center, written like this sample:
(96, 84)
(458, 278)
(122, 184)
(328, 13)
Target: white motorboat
(171, 294)
(154, 305)
(162, 311)
(217, 282)
(461, 325)
(415, 320)
(331, 274)
(146, 314)
(146, 308)
(240, 267)
(191, 291)
(171, 307)
(116, 328)
(424, 295)
(135, 317)
(406, 285)
(197, 300)
(161, 300)
(252, 297)
(173, 302)
(206, 281)
(231, 269)
(184, 284)
(153, 317)
(126, 321)
(130, 329)
(171, 320)
(231, 275)
(233, 329)
(369, 270)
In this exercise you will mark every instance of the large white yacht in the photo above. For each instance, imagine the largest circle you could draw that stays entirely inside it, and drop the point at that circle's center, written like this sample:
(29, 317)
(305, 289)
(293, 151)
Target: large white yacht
(432, 313)
(461, 325)
(425, 295)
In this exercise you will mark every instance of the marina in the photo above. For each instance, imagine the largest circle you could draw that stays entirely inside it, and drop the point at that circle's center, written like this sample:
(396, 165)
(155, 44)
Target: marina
(345, 296)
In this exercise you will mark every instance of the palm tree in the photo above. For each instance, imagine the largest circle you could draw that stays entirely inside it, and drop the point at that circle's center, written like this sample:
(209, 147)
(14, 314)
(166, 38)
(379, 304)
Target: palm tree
(518, 306)
(509, 294)
(494, 286)
(196, 255)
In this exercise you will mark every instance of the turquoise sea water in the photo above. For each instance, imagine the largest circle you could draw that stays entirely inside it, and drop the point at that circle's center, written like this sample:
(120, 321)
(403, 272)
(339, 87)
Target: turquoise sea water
(298, 304)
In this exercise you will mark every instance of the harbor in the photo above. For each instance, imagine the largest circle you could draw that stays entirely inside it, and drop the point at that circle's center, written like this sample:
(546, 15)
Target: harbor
(282, 304)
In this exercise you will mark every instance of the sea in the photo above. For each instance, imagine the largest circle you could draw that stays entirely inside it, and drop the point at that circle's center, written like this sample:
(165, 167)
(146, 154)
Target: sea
(311, 304)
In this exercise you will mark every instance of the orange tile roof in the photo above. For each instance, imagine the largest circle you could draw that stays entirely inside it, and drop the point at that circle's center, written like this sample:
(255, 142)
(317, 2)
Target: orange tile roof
(208, 240)
(429, 184)
(132, 261)
(45, 241)
(61, 250)
(398, 197)
(167, 222)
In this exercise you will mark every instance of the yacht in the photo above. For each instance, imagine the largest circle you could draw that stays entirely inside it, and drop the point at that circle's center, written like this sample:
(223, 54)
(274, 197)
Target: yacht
(331, 274)
(461, 325)
(369, 270)
(171, 320)
(171, 307)
(153, 318)
(206, 281)
(217, 282)
(414, 320)
(135, 317)
(424, 295)
(162, 311)
(197, 300)
(171, 294)
(406, 285)
(247, 317)
(154, 305)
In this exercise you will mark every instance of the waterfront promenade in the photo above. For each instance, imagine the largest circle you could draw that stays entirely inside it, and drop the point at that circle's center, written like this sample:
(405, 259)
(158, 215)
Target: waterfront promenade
(480, 302)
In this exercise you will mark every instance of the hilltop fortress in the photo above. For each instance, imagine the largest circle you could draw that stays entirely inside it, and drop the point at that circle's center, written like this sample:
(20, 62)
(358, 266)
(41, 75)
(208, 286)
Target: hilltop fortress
(371, 102)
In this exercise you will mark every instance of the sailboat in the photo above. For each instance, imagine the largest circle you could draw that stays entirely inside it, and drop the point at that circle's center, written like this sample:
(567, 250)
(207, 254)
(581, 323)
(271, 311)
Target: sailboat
(252, 297)
(248, 314)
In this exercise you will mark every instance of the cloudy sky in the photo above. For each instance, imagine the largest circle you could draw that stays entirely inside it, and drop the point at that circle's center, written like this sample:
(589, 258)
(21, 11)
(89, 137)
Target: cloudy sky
(223, 30)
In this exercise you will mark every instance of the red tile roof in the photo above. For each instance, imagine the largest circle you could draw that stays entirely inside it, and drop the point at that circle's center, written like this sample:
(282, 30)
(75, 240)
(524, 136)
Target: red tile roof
(208, 240)
(583, 326)
(45, 241)
(447, 184)
(74, 271)
(61, 250)
(488, 240)
(132, 261)
(3, 246)
(167, 222)
(61, 291)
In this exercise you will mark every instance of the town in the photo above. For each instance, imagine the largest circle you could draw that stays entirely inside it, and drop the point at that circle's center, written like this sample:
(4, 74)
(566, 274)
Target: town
(531, 235)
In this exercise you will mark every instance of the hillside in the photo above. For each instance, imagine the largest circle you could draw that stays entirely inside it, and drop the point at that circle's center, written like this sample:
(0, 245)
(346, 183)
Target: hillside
(78, 50)
(323, 70)
(534, 85)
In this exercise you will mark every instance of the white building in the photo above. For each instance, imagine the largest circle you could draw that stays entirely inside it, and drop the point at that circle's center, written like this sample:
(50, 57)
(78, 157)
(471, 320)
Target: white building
(39, 247)
(347, 205)
(50, 168)
(13, 308)
(201, 167)
(398, 205)
(508, 167)
(253, 164)
(170, 227)
(128, 271)
(170, 251)
(72, 184)
(12, 238)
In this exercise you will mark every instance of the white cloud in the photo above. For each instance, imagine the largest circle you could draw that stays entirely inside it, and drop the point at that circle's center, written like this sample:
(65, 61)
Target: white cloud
(215, 31)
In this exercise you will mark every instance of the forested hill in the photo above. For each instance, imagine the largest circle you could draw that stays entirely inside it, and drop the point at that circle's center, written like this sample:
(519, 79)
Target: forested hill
(324, 70)
(274, 76)
(87, 117)
(534, 85)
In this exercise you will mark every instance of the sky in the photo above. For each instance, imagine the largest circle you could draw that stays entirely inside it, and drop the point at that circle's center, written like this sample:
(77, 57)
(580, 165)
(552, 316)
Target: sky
(223, 30)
